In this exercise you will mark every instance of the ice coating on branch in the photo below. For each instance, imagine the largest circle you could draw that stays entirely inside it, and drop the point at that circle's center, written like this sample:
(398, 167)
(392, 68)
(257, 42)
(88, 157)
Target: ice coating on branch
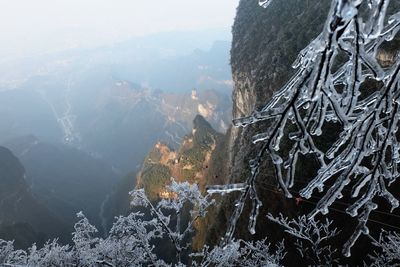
(312, 237)
(326, 90)
(264, 3)
(389, 243)
(224, 189)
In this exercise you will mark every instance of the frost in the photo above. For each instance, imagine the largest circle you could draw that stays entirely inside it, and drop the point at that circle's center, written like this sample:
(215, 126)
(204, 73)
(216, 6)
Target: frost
(241, 253)
(222, 189)
(312, 238)
(326, 90)
(133, 239)
(389, 244)
(176, 231)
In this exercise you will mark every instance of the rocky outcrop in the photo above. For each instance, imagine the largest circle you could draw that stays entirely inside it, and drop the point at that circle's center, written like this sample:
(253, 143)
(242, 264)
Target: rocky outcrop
(201, 159)
(265, 43)
(388, 52)
(196, 161)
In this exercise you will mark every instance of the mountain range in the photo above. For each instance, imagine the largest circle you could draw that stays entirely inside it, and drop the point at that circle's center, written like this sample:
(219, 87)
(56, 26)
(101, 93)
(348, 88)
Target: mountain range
(78, 125)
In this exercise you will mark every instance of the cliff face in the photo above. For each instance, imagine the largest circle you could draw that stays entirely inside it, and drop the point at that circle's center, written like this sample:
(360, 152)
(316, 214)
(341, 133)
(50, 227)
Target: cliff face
(196, 161)
(265, 44)
(201, 160)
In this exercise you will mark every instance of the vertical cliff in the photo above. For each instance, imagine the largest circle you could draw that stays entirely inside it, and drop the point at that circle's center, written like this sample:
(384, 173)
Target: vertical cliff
(265, 44)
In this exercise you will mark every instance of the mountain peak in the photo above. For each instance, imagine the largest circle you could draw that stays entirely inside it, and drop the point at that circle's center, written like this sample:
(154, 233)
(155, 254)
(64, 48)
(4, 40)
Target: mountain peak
(200, 122)
(12, 171)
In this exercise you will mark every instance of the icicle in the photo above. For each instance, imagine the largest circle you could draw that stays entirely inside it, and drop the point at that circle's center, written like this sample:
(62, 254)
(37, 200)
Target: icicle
(226, 189)
(264, 3)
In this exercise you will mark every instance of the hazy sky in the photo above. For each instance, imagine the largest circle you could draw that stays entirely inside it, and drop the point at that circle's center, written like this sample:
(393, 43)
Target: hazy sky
(28, 26)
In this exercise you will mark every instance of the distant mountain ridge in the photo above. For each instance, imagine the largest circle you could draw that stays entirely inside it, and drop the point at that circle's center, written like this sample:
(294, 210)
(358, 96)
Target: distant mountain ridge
(124, 121)
(171, 61)
(96, 99)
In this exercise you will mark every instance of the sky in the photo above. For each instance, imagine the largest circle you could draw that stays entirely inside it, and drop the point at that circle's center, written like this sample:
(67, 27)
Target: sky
(35, 26)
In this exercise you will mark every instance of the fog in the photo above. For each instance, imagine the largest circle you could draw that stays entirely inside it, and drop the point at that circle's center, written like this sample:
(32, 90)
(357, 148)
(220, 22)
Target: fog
(32, 27)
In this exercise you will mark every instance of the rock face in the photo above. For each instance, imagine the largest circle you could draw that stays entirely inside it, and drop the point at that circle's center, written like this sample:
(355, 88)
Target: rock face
(135, 113)
(265, 44)
(388, 52)
(200, 159)
(196, 161)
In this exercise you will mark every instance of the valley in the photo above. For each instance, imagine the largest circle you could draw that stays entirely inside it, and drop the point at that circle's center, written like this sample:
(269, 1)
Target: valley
(200, 133)
(81, 122)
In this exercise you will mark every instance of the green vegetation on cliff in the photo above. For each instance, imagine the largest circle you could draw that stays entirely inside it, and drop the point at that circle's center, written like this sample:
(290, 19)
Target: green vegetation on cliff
(192, 162)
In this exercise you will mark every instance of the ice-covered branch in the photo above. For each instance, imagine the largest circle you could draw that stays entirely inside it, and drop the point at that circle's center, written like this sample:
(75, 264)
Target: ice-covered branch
(389, 254)
(181, 194)
(133, 239)
(338, 83)
(312, 238)
(240, 253)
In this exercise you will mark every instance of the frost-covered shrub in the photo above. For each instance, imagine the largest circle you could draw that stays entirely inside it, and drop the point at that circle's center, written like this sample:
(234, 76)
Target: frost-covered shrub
(389, 250)
(133, 239)
(313, 238)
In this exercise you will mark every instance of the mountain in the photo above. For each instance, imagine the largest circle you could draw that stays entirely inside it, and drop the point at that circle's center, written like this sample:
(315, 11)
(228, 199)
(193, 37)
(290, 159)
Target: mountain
(64, 179)
(128, 58)
(25, 112)
(200, 69)
(116, 101)
(22, 217)
(117, 121)
(193, 161)
(199, 159)
(81, 121)
(265, 43)
(124, 121)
